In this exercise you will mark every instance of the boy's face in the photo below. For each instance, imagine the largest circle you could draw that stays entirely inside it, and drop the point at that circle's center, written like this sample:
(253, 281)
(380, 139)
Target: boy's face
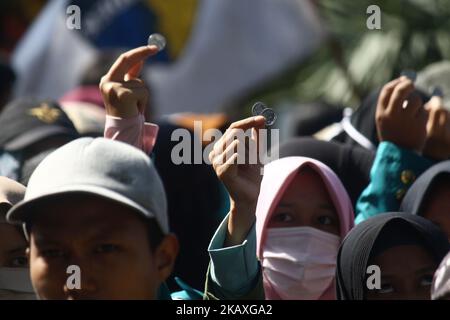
(109, 243)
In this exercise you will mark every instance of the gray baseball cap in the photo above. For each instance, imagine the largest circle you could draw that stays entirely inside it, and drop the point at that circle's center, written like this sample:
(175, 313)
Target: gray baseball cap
(101, 167)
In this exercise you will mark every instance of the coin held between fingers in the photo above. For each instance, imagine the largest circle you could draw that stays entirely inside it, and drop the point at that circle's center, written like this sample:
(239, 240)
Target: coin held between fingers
(157, 40)
(258, 108)
(270, 116)
(410, 74)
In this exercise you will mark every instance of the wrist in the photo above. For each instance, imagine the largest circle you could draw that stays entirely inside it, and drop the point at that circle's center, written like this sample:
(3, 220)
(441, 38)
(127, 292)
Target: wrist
(242, 207)
(118, 113)
(406, 145)
(240, 220)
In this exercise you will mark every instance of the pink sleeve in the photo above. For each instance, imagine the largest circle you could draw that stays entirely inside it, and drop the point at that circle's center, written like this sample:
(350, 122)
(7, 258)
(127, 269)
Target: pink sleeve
(134, 131)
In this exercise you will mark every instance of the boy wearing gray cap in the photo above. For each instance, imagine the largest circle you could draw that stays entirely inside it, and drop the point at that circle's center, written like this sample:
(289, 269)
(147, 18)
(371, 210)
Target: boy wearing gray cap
(98, 205)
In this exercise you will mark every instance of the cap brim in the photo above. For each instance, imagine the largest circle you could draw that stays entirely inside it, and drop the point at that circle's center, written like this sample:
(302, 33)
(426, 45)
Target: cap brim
(33, 136)
(19, 214)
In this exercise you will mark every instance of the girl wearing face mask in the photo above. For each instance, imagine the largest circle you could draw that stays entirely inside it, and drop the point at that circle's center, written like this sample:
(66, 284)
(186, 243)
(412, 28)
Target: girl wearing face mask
(406, 249)
(302, 213)
(15, 283)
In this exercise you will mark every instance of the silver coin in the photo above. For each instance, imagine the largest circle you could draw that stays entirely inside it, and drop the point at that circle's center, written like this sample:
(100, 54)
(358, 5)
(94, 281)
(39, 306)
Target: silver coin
(437, 91)
(258, 108)
(410, 74)
(157, 40)
(270, 116)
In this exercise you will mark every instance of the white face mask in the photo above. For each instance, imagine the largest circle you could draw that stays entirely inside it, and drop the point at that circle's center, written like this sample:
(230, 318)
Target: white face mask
(15, 284)
(299, 263)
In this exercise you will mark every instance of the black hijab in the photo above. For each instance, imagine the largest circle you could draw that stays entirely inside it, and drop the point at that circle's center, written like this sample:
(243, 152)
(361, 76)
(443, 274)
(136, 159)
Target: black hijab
(352, 165)
(376, 235)
(440, 288)
(418, 193)
(195, 199)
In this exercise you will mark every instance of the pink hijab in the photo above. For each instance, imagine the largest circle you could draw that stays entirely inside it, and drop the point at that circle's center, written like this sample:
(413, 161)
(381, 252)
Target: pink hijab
(277, 177)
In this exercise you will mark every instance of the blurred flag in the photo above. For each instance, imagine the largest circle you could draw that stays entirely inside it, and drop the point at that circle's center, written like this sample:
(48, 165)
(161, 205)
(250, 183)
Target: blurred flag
(217, 50)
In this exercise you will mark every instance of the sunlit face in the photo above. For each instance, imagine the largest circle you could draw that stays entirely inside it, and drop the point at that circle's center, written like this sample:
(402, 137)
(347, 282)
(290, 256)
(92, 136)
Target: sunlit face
(406, 274)
(306, 203)
(108, 242)
(12, 247)
(437, 209)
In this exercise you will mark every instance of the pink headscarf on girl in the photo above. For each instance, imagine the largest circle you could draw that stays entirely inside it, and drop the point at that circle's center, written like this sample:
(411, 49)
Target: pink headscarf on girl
(277, 177)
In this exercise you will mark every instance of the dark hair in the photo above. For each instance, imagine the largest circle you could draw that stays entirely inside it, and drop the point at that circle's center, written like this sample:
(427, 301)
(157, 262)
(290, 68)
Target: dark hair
(155, 235)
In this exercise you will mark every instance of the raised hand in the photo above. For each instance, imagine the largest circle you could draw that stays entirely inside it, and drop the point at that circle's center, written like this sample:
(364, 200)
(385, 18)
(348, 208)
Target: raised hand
(125, 95)
(400, 115)
(437, 145)
(241, 180)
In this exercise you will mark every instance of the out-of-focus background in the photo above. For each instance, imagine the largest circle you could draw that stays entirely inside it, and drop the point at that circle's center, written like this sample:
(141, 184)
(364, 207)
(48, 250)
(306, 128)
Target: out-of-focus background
(285, 51)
